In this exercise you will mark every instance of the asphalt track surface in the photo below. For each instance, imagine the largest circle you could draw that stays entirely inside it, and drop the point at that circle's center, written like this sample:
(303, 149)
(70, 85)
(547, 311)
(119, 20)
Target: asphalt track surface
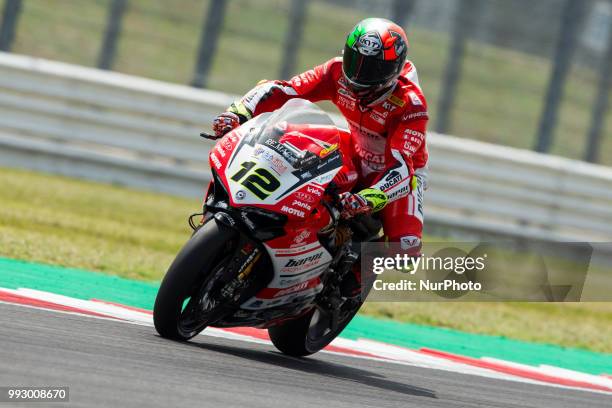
(115, 364)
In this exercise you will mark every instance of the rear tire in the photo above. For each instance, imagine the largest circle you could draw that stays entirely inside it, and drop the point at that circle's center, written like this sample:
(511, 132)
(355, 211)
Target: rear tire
(196, 260)
(289, 337)
(294, 337)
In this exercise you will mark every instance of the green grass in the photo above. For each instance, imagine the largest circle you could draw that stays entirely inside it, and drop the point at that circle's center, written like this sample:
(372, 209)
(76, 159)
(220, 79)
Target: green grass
(582, 325)
(499, 99)
(110, 229)
(136, 234)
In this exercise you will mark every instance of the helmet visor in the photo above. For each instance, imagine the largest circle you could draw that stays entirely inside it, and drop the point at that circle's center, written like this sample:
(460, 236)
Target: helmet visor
(367, 70)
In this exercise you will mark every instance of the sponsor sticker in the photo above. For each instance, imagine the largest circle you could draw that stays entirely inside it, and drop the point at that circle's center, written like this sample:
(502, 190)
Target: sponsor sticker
(293, 211)
(399, 192)
(389, 106)
(304, 79)
(219, 150)
(346, 103)
(307, 198)
(304, 175)
(281, 149)
(415, 98)
(311, 259)
(277, 164)
(377, 117)
(301, 237)
(292, 289)
(351, 176)
(396, 100)
(412, 132)
(414, 115)
(215, 161)
(227, 143)
(314, 190)
(391, 179)
(328, 150)
(302, 204)
(410, 241)
(373, 159)
(369, 44)
(346, 93)
(325, 178)
(409, 147)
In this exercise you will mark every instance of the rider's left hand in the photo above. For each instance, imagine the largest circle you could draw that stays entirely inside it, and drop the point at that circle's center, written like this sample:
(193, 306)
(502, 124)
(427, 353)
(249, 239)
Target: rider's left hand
(364, 202)
(353, 204)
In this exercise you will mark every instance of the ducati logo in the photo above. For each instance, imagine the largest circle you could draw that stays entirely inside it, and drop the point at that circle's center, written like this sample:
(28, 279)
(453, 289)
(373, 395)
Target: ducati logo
(299, 238)
(227, 144)
(392, 179)
(292, 289)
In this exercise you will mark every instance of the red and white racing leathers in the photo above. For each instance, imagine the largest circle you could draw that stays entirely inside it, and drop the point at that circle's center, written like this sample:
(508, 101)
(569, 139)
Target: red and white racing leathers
(388, 137)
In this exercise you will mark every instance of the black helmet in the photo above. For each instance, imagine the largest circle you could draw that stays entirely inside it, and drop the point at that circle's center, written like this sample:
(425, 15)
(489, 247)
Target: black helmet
(374, 55)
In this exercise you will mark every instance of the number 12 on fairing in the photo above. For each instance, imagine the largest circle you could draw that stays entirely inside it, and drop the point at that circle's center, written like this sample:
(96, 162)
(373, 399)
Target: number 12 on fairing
(259, 181)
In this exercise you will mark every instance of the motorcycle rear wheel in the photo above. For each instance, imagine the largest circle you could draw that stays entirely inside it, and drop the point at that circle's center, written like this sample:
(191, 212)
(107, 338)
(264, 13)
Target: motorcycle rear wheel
(199, 259)
(300, 337)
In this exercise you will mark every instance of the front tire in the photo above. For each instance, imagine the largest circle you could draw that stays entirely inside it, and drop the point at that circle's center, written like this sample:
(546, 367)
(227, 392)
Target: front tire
(198, 258)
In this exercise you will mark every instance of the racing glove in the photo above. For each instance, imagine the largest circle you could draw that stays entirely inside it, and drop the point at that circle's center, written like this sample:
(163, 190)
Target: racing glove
(224, 123)
(364, 202)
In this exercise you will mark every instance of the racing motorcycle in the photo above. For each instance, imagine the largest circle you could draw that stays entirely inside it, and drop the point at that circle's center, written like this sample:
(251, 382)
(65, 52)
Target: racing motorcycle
(271, 249)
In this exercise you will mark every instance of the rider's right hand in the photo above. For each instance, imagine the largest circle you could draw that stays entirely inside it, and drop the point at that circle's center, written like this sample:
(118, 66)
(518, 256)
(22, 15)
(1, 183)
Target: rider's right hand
(225, 122)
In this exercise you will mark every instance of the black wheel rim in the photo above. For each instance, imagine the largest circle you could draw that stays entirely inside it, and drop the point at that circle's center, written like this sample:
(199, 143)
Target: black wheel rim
(201, 309)
(319, 332)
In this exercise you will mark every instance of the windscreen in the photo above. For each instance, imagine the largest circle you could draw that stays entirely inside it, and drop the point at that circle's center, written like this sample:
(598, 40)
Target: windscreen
(274, 127)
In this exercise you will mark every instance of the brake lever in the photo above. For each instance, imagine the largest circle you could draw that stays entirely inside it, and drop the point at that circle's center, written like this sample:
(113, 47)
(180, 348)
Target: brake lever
(208, 136)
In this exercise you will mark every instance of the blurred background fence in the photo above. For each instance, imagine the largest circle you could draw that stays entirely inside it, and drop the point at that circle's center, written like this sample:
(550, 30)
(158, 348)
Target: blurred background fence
(522, 73)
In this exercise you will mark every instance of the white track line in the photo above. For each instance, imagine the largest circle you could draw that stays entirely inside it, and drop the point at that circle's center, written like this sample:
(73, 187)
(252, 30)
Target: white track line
(556, 371)
(381, 352)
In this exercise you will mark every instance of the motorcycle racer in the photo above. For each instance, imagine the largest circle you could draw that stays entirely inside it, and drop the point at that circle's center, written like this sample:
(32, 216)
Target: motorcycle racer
(378, 92)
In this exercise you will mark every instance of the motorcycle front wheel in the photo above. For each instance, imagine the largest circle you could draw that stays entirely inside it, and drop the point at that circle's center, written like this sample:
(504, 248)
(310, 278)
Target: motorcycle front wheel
(182, 306)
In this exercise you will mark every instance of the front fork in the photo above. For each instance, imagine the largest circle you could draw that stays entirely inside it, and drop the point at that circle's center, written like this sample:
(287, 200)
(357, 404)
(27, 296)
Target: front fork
(241, 265)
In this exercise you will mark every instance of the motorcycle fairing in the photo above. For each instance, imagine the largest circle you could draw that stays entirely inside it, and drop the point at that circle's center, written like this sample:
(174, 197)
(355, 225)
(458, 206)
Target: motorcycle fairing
(282, 163)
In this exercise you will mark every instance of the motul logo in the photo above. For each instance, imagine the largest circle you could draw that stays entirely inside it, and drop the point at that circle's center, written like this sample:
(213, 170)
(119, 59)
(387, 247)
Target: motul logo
(412, 132)
(293, 211)
(303, 261)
